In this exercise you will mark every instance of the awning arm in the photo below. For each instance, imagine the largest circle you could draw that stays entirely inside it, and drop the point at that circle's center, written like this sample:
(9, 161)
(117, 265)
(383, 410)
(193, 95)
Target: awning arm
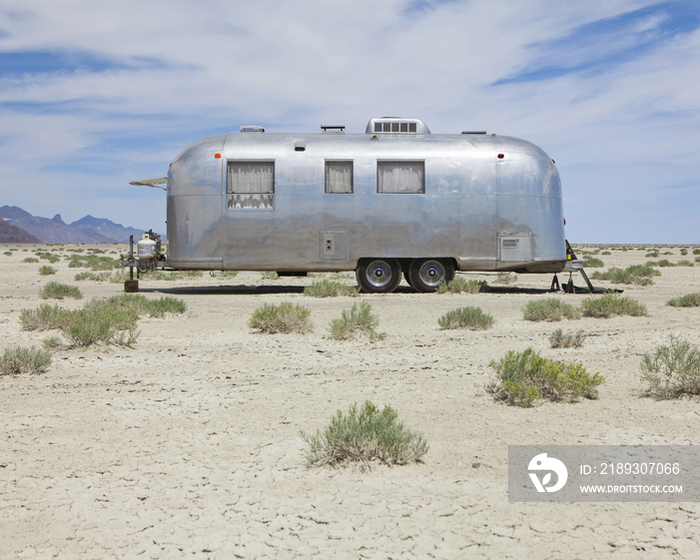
(151, 183)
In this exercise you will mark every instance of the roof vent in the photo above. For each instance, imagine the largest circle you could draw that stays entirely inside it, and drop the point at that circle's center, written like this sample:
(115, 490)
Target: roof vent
(333, 127)
(252, 128)
(396, 125)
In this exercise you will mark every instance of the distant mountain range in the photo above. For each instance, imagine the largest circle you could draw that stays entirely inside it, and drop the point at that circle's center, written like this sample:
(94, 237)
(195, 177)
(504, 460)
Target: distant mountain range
(25, 228)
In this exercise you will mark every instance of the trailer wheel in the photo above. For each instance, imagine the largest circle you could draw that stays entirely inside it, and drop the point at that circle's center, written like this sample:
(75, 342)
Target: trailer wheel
(378, 275)
(427, 274)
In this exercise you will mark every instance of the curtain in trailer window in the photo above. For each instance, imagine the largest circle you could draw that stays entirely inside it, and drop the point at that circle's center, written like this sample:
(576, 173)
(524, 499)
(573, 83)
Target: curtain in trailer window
(400, 177)
(250, 185)
(339, 177)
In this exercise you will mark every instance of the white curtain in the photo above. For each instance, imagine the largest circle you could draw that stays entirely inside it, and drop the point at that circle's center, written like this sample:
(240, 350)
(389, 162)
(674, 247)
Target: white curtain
(400, 177)
(251, 177)
(339, 177)
(251, 185)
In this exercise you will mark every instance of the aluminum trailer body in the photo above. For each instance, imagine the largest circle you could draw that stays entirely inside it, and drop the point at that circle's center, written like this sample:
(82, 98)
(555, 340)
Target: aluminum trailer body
(395, 199)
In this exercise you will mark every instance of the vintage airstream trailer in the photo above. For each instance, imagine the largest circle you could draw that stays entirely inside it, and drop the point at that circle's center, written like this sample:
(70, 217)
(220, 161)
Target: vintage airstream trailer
(394, 200)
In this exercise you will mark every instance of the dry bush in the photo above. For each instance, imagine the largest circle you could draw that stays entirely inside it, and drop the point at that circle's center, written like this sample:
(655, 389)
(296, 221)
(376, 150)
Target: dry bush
(283, 318)
(608, 305)
(524, 377)
(550, 309)
(673, 370)
(365, 435)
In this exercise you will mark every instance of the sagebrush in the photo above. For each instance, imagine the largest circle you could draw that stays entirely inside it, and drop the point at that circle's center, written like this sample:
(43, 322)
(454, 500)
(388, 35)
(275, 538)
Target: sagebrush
(460, 285)
(688, 300)
(283, 318)
(560, 340)
(673, 370)
(330, 288)
(365, 434)
(609, 305)
(19, 360)
(101, 321)
(359, 320)
(524, 377)
(472, 318)
(56, 290)
(550, 309)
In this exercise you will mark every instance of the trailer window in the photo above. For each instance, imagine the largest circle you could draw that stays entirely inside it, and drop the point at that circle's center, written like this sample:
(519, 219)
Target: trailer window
(250, 185)
(339, 177)
(401, 177)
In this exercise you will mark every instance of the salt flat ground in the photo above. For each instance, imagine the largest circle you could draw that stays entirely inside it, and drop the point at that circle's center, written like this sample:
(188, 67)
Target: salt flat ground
(187, 445)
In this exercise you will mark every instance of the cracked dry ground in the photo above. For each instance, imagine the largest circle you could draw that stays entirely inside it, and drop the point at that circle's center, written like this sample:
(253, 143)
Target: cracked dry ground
(187, 445)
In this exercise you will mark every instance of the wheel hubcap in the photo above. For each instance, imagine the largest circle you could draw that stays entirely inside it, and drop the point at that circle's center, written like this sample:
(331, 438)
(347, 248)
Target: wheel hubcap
(379, 274)
(432, 273)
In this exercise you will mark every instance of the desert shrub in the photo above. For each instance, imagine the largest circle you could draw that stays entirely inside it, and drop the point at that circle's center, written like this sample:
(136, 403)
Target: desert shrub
(88, 328)
(47, 270)
(506, 278)
(606, 253)
(365, 435)
(663, 263)
(684, 251)
(359, 320)
(550, 309)
(56, 290)
(30, 260)
(283, 318)
(460, 285)
(642, 271)
(44, 318)
(330, 288)
(635, 274)
(24, 360)
(159, 307)
(118, 277)
(607, 305)
(93, 262)
(560, 340)
(472, 318)
(524, 377)
(652, 254)
(48, 256)
(696, 251)
(96, 277)
(52, 342)
(673, 370)
(684, 262)
(689, 300)
(100, 321)
(592, 262)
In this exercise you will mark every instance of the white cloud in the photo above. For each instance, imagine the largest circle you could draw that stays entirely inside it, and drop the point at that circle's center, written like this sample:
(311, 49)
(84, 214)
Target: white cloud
(143, 79)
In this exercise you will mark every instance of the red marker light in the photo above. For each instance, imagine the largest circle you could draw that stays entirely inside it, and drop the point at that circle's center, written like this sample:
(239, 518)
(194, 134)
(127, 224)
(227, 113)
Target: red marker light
(501, 156)
(217, 156)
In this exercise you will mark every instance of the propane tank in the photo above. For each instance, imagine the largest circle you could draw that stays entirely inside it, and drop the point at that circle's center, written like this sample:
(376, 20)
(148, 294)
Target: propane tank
(147, 248)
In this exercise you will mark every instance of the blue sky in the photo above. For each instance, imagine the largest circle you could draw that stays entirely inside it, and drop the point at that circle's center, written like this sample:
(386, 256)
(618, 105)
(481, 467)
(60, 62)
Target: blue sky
(95, 94)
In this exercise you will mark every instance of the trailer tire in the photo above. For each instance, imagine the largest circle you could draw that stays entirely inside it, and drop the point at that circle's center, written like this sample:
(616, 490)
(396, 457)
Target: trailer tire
(427, 274)
(379, 276)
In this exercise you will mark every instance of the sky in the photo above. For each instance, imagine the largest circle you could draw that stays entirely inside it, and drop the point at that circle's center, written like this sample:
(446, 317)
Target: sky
(94, 94)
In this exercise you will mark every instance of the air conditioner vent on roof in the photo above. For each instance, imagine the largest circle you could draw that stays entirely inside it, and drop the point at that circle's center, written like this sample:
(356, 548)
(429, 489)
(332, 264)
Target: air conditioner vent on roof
(396, 125)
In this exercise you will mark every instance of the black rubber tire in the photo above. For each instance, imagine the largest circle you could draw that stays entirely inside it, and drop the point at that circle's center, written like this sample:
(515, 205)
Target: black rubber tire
(427, 274)
(379, 276)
